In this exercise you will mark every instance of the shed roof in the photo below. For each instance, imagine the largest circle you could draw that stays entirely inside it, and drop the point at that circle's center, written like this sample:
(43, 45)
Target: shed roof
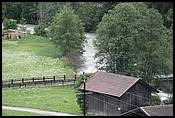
(158, 110)
(110, 83)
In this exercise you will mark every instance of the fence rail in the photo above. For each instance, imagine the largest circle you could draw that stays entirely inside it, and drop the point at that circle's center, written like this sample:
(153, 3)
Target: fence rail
(61, 80)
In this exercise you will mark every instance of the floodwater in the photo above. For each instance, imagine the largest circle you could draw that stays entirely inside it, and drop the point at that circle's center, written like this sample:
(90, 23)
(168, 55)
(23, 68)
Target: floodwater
(29, 27)
(164, 96)
(89, 55)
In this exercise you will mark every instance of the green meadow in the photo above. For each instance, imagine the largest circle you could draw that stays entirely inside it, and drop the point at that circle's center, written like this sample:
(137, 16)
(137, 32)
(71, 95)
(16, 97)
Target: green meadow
(58, 99)
(31, 56)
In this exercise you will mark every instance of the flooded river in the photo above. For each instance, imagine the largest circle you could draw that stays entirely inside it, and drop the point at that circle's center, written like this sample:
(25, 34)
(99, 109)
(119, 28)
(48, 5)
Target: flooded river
(90, 62)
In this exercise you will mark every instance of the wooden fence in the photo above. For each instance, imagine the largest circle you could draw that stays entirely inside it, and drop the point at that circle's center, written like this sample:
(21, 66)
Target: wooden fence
(51, 80)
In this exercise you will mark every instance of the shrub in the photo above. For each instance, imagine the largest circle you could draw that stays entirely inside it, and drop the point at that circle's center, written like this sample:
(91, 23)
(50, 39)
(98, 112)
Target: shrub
(79, 93)
(23, 21)
(74, 60)
(155, 100)
(40, 30)
(10, 23)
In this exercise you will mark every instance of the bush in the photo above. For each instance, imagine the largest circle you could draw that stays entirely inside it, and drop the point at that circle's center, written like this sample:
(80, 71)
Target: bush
(74, 60)
(79, 93)
(40, 30)
(155, 100)
(23, 21)
(10, 23)
(80, 79)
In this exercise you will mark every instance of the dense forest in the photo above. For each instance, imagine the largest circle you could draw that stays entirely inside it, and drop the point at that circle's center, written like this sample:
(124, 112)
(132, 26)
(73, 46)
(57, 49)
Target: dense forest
(90, 13)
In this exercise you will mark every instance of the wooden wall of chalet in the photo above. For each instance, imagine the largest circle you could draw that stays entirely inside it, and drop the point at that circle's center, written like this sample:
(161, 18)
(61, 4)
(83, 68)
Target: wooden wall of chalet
(137, 95)
(106, 105)
(101, 104)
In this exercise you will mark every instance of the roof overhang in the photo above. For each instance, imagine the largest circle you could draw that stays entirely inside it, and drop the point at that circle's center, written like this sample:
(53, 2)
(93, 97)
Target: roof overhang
(152, 88)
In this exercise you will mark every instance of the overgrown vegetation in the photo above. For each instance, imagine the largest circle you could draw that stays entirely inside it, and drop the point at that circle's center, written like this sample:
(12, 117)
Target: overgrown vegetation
(40, 30)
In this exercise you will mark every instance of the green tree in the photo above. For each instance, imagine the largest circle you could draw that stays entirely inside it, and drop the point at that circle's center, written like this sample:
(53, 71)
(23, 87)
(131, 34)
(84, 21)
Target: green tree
(164, 8)
(40, 30)
(132, 40)
(11, 10)
(67, 31)
(47, 10)
(90, 13)
(19, 10)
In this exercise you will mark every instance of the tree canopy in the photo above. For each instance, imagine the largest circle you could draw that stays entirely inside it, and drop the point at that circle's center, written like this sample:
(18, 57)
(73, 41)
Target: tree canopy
(132, 40)
(90, 13)
(67, 31)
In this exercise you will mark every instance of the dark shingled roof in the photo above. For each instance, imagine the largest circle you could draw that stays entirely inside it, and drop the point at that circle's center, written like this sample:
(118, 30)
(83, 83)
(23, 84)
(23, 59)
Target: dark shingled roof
(158, 110)
(110, 83)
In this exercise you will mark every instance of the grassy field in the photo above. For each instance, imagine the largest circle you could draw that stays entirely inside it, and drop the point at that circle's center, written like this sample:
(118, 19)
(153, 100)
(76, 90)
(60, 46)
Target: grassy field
(59, 99)
(31, 56)
(19, 113)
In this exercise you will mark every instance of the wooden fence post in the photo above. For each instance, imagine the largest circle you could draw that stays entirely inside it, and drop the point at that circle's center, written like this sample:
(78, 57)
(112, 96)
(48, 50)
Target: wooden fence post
(64, 77)
(75, 76)
(33, 79)
(11, 81)
(22, 81)
(44, 80)
(54, 79)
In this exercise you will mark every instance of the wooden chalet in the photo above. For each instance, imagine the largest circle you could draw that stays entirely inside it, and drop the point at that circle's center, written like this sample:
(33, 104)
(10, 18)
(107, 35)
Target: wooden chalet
(114, 94)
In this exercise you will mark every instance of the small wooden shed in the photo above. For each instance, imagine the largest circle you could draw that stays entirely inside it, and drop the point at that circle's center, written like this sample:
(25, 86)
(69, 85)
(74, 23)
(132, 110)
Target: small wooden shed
(114, 94)
(10, 34)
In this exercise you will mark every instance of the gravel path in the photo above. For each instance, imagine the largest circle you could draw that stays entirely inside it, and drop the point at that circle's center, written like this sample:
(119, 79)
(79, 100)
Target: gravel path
(48, 113)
